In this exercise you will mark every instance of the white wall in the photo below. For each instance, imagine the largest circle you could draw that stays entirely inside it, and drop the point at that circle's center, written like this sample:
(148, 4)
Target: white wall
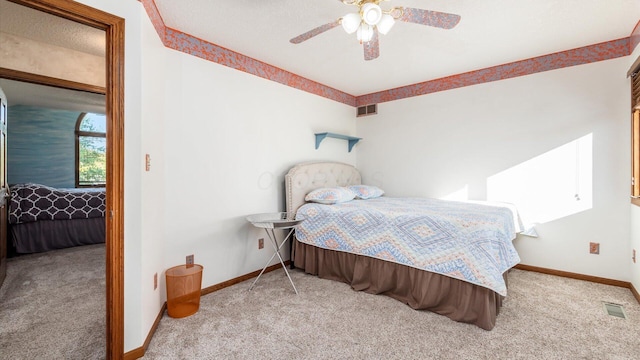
(459, 141)
(153, 190)
(134, 330)
(635, 213)
(230, 138)
(220, 142)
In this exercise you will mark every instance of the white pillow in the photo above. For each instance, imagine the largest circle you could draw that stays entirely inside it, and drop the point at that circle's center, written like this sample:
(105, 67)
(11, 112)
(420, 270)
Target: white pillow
(366, 191)
(330, 196)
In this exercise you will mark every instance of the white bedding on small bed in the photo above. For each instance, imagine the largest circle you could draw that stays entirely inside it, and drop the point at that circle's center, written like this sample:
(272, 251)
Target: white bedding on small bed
(467, 241)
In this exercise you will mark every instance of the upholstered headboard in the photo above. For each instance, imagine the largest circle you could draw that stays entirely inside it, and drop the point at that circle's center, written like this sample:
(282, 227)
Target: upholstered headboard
(303, 178)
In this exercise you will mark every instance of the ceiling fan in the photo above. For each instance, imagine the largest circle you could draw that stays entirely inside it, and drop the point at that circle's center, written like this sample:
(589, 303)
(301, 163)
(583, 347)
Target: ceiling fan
(371, 19)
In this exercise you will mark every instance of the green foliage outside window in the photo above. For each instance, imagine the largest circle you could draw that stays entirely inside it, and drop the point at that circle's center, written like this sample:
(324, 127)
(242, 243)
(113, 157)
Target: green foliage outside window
(92, 150)
(92, 160)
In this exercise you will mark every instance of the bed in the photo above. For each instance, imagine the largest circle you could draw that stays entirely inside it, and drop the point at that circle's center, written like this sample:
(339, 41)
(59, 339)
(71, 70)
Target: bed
(42, 218)
(383, 246)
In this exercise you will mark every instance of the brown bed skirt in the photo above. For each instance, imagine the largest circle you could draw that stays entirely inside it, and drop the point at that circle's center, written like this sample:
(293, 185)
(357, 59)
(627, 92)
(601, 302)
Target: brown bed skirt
(421, 290)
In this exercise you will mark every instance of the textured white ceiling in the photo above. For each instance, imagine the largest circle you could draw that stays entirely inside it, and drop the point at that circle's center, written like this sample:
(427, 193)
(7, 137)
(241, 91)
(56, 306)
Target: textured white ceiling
(491, 32)
(40, 26)
(36, 25)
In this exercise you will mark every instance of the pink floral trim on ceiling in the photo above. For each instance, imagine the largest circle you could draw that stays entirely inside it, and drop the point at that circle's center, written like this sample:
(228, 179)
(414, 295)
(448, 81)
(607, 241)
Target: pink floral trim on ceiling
(192, 45)
(155, 17)
(584, 55)
(186, 43)
(189, 44)
(634, 38)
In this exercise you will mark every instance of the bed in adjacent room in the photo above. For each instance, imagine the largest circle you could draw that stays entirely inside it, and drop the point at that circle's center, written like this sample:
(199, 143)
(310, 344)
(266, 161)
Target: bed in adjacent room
(42, 218)
(443, 256)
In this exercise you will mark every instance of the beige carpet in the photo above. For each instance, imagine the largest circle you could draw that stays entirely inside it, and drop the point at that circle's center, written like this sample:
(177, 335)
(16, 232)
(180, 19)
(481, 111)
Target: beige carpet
(52, 305)
(544, 317)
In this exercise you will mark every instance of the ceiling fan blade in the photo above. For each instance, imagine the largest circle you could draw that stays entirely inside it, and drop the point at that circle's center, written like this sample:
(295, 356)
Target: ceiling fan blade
(372, 47)
(317, 31)
(430, 18)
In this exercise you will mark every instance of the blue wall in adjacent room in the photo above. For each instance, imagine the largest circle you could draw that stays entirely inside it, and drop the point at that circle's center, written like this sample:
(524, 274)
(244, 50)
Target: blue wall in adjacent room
(41, 146)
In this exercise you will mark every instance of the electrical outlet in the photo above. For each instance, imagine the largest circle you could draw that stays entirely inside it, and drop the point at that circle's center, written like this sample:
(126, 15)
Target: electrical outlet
(147, 162)
(155, 281)
(260, 243)
(634, 256)
(190, 259)
(594, 248)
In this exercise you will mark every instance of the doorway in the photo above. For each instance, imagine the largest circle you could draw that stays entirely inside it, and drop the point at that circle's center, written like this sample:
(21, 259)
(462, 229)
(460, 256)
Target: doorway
(113, 27)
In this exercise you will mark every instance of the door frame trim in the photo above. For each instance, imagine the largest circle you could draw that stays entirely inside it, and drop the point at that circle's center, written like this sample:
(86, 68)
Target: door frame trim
(114, 32)
(18, 75)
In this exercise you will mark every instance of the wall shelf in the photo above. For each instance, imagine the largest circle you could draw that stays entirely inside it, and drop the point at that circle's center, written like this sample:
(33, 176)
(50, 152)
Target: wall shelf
(351, 139)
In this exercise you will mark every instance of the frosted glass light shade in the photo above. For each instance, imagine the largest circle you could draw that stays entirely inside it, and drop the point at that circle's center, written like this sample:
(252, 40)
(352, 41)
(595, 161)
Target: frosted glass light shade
(385, 24)
(350, 22)
(371, 13)
(365, 33)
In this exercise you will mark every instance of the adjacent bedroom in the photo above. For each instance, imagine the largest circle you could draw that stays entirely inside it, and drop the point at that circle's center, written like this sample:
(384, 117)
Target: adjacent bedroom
(53, 161)
(55, 230)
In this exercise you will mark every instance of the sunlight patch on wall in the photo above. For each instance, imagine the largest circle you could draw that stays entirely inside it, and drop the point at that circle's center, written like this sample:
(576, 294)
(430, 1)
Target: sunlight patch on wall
(550, 186)
(461, 194)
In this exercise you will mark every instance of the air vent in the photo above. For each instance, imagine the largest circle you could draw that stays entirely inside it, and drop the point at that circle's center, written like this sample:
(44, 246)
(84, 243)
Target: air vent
(614, 310)
(367, 110)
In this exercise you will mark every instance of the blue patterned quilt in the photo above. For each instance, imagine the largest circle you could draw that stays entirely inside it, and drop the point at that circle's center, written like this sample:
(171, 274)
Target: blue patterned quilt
(466, 241)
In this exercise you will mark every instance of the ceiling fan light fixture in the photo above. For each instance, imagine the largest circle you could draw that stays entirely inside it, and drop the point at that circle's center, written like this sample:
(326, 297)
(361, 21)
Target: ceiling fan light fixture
(371, 19)
(351, 22)
(385, 24)
(365, 33)
(371, 13)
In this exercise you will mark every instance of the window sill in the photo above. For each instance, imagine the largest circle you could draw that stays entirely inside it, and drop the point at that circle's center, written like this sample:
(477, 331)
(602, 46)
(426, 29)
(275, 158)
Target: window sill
(104, 185)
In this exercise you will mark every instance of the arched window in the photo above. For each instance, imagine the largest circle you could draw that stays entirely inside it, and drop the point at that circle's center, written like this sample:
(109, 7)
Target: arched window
(91, 150)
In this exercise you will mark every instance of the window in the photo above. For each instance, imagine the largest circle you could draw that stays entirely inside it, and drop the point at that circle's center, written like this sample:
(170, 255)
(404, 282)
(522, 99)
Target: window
(634, 72)
(635, 154)
(91, 150)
